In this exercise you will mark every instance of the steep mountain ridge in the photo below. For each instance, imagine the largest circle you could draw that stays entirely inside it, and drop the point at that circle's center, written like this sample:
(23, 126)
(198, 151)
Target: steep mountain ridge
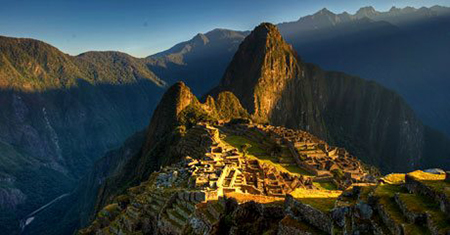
(371, 121)
(32, 65)
(198, 61)
(60, 113)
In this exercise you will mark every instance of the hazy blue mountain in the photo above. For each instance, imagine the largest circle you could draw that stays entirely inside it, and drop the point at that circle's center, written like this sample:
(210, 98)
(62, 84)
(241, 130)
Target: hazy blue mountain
(403, 49)
(200, 62)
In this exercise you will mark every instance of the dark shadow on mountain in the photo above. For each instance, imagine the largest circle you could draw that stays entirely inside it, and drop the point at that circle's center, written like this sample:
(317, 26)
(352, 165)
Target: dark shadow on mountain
(59, 133)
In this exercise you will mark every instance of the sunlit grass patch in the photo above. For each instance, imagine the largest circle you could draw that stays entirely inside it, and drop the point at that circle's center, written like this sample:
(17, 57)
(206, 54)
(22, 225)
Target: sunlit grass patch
(243, 197)
(322, 204)
(421, 175)
(257, 151)
(328, 185)
(395, 178)
(315, 193)
(239, 141)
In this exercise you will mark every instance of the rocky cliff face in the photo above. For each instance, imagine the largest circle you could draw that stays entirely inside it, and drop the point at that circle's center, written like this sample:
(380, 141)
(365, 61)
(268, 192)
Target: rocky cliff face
(276, 86)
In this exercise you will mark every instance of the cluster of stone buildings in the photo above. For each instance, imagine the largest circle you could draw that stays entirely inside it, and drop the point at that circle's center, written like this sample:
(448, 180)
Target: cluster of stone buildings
(223, 169)
(218, 168)
(316, 156)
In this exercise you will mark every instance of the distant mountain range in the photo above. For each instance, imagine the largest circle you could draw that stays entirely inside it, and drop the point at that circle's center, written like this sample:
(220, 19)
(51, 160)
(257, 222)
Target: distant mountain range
(61, 113)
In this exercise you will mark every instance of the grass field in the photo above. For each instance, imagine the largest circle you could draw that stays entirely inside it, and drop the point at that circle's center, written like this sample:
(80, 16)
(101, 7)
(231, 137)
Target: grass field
(257, 151)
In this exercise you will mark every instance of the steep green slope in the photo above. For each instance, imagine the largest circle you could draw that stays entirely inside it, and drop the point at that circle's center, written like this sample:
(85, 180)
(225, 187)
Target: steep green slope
(61, 113)
(32, 65)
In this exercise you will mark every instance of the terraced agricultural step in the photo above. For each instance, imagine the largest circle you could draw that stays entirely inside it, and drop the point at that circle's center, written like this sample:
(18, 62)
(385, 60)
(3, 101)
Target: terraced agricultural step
(182, 210)
(214, 211)
(378, 225)
(190, 206)
(133, 212)
(175, 216)
(208, 216)
(394, 219)
(159, 197)
(421, 209)
(289, 225)
(158, 201)
(430, 185)
(173, 223)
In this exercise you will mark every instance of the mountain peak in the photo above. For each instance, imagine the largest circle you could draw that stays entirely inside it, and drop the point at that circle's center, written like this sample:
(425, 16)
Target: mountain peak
(260, 69)
(368, 11)
(165, 116)
(201, 39)
(325, 11)
(266, 28)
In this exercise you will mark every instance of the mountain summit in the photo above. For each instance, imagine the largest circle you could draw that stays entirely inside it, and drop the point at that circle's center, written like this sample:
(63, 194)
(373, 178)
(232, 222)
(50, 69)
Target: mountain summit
(275, 86)
(262, 66)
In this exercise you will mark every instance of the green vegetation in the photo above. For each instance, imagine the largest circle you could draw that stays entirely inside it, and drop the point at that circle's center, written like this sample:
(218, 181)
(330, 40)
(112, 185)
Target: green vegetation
(422, 204)
(387, 190)
(32, 65)
(302, 226)
(439, 186)
(193, 114)
(326, 185)
(240, 141)
(257, 151)
(228, 106)
(338, 173)
(322, 204)
(385, 194)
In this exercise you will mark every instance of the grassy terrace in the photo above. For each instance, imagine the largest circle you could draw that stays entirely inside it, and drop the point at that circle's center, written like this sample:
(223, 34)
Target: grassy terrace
(322, 204)
(434, 181)
(420, 204)
(302, 226)
(242, 198)
(257, 151)
(395, 178)
(323, 200)
(385, 193)
(325, 185)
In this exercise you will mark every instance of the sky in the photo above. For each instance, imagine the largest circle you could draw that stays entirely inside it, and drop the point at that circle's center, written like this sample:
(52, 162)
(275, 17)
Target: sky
(141, 28)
